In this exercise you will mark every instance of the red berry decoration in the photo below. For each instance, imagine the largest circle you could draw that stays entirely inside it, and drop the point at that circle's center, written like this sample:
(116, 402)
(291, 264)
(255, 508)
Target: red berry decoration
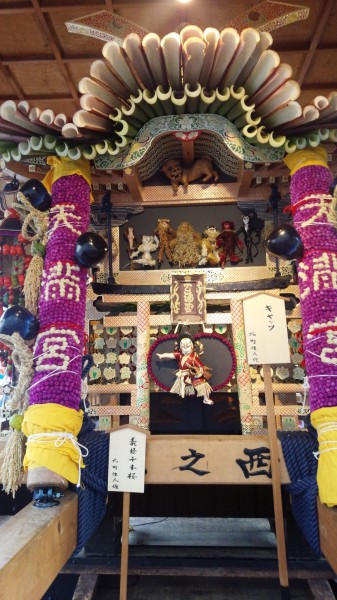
(21, 239)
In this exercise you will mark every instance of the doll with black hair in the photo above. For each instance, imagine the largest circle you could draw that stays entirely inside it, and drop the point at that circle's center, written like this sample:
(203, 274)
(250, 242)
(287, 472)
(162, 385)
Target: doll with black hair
(192, 375)
(230, 247)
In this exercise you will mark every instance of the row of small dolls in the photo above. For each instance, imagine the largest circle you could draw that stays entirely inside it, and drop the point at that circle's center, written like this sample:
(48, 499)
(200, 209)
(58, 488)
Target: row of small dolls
(186, 247)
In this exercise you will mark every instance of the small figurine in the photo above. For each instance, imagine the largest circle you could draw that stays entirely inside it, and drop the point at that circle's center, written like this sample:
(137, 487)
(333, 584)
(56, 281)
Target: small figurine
(251, 230)
(192, 374)
(149, 244)
(186, 246)
(166, 234)
(130, 238)
(209, 249)
(177, 174)
(229, 244)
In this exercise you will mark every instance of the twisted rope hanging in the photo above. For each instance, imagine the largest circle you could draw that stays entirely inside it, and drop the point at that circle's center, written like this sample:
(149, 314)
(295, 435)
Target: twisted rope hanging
(11, 470)
(37, 222)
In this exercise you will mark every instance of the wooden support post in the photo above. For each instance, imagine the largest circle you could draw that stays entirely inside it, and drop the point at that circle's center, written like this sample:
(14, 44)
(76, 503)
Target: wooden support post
(133, 182)
(246, 178)
(86, 587)
(35, 544)
(188, 153)
(327, 522)
(276, 484)
(321, 589)
(125, 547)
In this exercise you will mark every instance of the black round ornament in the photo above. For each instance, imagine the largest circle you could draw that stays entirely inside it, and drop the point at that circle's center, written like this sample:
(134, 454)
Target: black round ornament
(285, 242)
(17, 319)
(90, 249)
(36, 194)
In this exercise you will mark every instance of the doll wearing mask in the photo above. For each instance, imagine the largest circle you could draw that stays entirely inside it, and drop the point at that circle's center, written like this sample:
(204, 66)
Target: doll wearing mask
(192, 375)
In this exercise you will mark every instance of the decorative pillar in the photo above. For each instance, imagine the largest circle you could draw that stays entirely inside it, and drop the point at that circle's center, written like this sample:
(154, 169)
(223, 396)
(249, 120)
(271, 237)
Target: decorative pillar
(142, 378)
(53, 418)
(242, 367)
(315, 221)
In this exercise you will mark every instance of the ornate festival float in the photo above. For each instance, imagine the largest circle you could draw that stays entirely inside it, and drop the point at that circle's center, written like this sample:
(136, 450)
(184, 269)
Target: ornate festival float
(146, 307)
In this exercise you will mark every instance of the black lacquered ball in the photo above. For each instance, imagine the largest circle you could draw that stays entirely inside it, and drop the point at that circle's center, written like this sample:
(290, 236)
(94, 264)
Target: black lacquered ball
(90, 249)
(285, 242)
(36, 194)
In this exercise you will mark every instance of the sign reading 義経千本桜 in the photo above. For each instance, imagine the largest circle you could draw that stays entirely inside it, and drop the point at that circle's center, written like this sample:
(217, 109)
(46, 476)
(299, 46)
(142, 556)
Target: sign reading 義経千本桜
(127, 460)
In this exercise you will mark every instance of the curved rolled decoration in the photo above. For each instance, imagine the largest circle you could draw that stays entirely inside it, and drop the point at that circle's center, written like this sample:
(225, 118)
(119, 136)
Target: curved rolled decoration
(228, 74)
(189, 123)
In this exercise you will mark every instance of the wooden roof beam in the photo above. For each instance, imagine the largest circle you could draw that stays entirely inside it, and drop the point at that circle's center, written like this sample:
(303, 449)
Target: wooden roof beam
(12, 81)
(26, 60)
(315, 39)
(56, 51)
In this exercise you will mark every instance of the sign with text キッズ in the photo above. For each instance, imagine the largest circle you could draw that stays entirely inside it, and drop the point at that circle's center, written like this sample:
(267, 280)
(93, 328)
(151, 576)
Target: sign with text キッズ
(265, 330)
(127, 460)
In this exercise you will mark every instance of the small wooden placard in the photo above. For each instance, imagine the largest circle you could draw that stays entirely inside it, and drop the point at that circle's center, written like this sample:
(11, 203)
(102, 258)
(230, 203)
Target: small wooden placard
(266, 330)
(127, 460)
(188, 299)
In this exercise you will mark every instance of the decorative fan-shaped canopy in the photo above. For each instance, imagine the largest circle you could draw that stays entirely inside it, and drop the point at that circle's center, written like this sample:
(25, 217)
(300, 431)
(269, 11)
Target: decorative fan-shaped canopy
(229, 84)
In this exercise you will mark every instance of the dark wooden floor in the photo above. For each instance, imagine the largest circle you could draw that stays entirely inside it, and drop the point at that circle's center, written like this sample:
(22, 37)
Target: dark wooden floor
(196, 559)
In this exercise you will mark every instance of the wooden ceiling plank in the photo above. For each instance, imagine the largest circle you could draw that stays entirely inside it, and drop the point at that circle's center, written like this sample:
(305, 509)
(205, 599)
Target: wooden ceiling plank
(12, 81)
(50, 6)
(17, 60)
(315, 39)
(55, 49)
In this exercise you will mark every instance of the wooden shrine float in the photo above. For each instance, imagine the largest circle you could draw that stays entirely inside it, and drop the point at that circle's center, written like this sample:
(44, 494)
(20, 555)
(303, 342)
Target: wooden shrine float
(246, 111)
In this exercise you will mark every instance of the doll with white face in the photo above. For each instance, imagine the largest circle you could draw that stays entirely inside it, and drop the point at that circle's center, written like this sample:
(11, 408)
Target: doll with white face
(192, 375)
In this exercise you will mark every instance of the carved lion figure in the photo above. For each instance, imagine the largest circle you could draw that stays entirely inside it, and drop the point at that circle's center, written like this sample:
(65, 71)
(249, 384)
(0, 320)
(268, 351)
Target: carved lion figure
(178, 174)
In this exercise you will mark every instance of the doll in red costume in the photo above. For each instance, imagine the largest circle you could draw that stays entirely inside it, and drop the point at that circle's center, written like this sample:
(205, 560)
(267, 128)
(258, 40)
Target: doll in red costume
(231, 248)
(192, 374)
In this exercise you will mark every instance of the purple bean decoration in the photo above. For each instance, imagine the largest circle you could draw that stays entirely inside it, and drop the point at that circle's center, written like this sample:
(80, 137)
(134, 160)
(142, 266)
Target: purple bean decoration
(53, 419)
(315, 219)
(59, 344)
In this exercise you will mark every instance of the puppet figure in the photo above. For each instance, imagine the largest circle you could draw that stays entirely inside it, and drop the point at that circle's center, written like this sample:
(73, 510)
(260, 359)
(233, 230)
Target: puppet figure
(177, 174)
(209, 249)
(192, 374)
(186, 247)
(131, 240)
(229, 244)
(251, 230)
(165, 234)
(149, 244)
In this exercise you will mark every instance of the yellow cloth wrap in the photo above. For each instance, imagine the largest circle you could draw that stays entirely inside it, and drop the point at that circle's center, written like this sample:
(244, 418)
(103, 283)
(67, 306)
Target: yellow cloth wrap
(306, 158)
(62, 458)
(325, 421)
(62, 167)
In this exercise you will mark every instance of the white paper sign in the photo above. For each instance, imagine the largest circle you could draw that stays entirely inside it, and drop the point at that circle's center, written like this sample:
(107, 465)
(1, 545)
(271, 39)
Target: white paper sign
(266, 330)
(127, 460)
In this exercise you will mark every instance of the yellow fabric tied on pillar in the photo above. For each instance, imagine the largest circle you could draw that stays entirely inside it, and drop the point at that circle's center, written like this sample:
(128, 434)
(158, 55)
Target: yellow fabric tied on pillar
(325, 422)
(306, 158)
(51, 431)
(63, 167)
